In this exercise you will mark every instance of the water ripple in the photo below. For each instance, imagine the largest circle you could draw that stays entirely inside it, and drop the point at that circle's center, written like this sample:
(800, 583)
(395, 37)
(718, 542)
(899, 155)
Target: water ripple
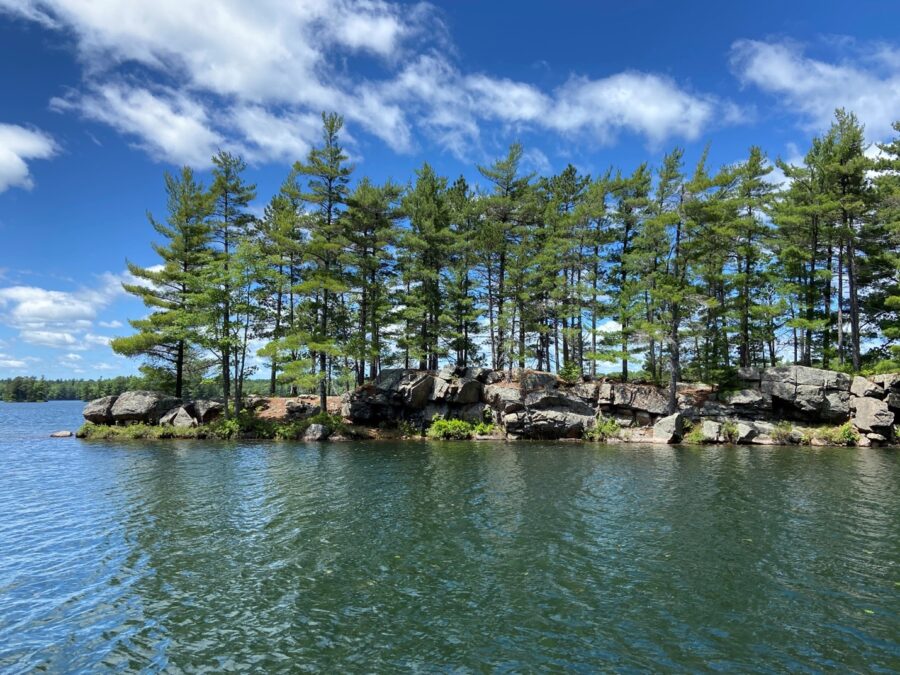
(194, 557)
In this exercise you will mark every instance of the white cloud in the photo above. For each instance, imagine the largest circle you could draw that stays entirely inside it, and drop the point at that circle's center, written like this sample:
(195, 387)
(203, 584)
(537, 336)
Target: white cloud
(97, 340)
(866, 83)
(72, 357)
(253, 77)
(60, 319)
(11, 363)
(169, 125)
(17, 146)
(49, 338)
(110, 324)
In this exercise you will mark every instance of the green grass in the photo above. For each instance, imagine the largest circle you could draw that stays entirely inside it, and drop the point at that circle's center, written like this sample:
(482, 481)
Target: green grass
(245, 425)
(845, 434)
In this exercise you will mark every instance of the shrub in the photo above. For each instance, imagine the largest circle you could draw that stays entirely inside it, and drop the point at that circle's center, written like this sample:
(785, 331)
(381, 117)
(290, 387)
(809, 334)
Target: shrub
(729, 431)
(292, 431)
(782, 432)
(408, 429)
(570, 372)
(483, 429)
(447, 430)
(846, 434)
(604, 429)
(693, 434)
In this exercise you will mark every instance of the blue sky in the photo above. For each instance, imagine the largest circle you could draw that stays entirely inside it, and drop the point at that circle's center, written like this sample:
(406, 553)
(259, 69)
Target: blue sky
(99, 98)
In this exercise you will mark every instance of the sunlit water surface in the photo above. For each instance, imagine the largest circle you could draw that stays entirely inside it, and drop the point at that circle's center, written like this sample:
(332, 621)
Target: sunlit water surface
(186, 556)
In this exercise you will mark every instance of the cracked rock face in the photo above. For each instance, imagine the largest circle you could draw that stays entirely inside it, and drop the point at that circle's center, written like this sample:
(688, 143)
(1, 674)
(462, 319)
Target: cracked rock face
(142, 406)
(872, 414)
(99, 411)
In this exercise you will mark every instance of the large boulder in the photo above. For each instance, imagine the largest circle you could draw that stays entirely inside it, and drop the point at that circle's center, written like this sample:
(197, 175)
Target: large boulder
(553, 424)
(316, 432)
(503, 398)
(871, 414)
(99, 411)
(415, 389)
(534, 381)
(466, 390)
(206, 411)
(669, 429)
(179, 417)
(557, 399)
(299, 410)
(807, 393)
(862, 386)
(142, 406)
(644, 397)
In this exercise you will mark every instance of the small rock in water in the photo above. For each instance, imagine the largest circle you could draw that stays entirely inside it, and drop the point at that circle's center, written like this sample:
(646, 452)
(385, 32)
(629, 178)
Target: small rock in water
(61, 434)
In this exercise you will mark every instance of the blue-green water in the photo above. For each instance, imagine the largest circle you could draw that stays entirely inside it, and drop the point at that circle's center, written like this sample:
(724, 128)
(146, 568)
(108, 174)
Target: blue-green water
(186, 556)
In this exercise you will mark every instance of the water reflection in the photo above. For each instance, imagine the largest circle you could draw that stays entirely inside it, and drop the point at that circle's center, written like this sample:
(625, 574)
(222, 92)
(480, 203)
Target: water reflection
(268, 557)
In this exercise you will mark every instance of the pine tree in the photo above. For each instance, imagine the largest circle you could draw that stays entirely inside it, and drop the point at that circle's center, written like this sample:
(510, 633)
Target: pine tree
(426, 247)
(166, 336)
(371, 230)
(328, 176)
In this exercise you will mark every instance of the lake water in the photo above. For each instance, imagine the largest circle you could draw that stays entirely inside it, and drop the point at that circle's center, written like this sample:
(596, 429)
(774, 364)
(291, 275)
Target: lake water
(187, 556)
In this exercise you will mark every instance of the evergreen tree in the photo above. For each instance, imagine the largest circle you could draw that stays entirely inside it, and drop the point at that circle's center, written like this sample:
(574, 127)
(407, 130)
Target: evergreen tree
(328, 175)
(167, 335)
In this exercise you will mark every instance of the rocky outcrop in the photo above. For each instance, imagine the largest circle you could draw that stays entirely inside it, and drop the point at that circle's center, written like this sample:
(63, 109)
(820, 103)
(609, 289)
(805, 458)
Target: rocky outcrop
(669, 429)
(141, 406)
(769, 406)
(207, 411)
(872, 414)
(180, 418)
(99, 411)
(528, 404)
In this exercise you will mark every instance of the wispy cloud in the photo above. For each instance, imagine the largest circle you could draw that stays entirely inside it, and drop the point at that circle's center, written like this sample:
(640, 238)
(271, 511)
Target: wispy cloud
(864, 80)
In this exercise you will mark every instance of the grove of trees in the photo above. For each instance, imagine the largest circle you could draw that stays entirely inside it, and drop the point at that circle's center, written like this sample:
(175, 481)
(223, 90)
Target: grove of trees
(668, 273)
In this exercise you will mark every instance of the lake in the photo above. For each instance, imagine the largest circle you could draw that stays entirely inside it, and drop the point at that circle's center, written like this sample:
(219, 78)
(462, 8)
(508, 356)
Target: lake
(386, 556)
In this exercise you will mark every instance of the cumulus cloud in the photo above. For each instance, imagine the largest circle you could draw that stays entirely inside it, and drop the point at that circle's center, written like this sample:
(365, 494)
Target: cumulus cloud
(253, 77)
(60, 319)
(866, 82)
(18, 145)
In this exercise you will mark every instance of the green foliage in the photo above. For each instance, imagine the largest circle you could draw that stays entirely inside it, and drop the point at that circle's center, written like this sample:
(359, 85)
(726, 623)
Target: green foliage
(445, 430)
(141, 432)
(694, 436)
(783, 432)
(845, 434)
(484, 429)
(676, 274)
(243, 425)
(604, 429)
(570, 372)
(729, 431)
(408, 429)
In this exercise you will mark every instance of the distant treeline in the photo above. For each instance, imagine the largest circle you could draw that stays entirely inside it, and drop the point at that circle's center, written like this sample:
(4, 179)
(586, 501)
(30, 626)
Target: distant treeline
(35, 389)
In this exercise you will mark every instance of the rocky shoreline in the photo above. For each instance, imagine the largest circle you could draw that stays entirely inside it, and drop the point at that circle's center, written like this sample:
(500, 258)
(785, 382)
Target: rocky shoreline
(773, 406)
